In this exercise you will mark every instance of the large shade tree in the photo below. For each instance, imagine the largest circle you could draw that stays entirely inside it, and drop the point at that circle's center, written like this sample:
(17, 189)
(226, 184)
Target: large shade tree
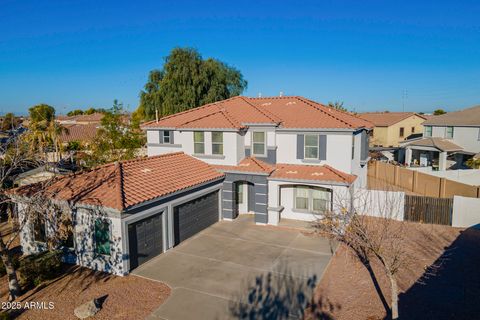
(187, 81)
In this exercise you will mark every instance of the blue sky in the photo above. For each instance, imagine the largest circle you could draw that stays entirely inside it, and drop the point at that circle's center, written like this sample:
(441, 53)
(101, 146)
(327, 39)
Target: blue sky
(73, 54)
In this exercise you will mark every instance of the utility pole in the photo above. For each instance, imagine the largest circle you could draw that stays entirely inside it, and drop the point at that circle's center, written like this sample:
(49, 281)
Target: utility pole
(404, 98)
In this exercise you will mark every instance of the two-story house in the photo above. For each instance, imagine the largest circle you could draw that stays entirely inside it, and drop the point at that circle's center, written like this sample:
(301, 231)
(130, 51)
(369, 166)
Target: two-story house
(283, 157)
(390, 128)
(276, 158)
(448, 140)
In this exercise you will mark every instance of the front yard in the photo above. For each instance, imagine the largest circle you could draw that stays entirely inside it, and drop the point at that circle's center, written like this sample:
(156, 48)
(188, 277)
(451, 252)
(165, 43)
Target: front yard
(448, 291)
(127, 297)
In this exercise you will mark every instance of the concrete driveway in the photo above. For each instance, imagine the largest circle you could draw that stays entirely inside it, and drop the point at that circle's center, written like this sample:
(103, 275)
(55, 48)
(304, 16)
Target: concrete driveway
(212, 273)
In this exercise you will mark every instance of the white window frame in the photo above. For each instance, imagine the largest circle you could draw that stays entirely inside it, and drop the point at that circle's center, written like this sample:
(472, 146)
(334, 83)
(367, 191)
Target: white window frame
(264, 154)
(316, 146)
(446, 132)
(310, 198)
(202, 143)
(214, 143)
(166, 136)
(431, 131)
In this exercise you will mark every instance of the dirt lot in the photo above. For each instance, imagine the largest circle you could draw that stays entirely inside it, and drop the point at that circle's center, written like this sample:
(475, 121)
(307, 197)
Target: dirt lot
(127, 297)
(453, 292)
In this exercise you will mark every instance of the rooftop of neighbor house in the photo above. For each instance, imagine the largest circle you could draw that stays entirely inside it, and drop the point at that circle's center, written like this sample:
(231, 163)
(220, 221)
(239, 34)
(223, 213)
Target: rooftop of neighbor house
(465, 117)
(79, 132)
(434, 142)
(386, 118)
(316, 173)
(124, 184)
(94, 117)
(239, 112)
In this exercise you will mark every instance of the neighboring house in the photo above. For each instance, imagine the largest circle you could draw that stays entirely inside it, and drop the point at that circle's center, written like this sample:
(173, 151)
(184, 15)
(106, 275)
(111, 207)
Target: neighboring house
(448, 140)
(280, 132)
(278, 158)
(38, 174)
(94, 118)
(393, 127)
(79, 132)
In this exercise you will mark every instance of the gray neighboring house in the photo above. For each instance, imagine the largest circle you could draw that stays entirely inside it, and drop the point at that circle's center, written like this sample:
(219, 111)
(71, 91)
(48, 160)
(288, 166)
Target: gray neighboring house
(448, 141)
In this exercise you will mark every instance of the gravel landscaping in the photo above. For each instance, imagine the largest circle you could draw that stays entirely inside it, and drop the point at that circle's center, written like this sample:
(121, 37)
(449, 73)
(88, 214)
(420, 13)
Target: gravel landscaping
(347, 291)
(129, 297)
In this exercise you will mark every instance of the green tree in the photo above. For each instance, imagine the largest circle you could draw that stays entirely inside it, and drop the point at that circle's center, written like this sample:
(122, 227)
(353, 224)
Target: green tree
(337, 105)
(9, 122)
(75, 112)
(117, 139)
(439, 112)
(41, 114)
(187, 81)
(44, 130)
(90, 111)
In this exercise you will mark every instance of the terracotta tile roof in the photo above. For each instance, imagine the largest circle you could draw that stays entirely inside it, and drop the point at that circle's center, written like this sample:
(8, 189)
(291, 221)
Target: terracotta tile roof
(124, 184)
(79, 132)
(435, 142)
(323, 173)
(385, 119)
(238, 112)
(465, 117)
(86, 118)
(249, 164)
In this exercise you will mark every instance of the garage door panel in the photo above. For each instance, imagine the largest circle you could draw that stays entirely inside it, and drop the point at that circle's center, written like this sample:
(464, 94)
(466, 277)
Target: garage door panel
(194, 216)
(145, 240)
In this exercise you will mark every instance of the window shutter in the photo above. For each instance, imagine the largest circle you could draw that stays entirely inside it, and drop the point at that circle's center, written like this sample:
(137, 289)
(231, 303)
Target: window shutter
(171, 137)
(322, 147)
(364, 148)
(300, 146)
(160, 136)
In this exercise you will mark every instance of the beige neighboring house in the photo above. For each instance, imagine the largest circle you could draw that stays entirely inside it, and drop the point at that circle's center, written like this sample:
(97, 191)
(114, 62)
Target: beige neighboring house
(84, 119)
(390, 128)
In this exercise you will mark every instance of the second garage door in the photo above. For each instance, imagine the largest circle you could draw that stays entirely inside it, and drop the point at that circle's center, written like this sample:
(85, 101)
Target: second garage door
(194, 216)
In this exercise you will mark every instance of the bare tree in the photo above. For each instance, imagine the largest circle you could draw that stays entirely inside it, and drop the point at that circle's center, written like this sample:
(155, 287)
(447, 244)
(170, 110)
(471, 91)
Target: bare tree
(369, 222)
(16, 157)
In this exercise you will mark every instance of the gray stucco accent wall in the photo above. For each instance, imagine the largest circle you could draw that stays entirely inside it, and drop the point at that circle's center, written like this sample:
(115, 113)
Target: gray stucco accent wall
(271, 154)
(260, 187)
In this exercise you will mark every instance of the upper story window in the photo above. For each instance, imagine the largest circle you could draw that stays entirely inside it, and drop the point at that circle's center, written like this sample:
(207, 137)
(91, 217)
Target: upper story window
(217, 142)
(258, 143)
(413, 129)
(449, 133)
(166, 137)
(402, 132)
(428, 131)
(102, 237)
(311, 146)
(199, 142)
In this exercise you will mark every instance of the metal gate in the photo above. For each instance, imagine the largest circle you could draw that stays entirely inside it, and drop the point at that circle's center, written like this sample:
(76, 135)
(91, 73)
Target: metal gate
(429, 209)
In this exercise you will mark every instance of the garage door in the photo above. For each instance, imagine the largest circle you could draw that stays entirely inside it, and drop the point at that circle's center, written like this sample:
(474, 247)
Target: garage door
(145, 239)
(194, 216)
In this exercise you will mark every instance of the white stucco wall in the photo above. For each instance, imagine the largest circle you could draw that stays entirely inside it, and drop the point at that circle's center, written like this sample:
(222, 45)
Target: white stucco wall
(465, 137)
(466, 212)
(84, 246)
(183, 141)
(339, 153)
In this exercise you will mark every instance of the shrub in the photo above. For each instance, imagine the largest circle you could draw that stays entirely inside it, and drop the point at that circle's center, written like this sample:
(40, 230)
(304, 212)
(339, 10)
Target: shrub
(36, 268)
